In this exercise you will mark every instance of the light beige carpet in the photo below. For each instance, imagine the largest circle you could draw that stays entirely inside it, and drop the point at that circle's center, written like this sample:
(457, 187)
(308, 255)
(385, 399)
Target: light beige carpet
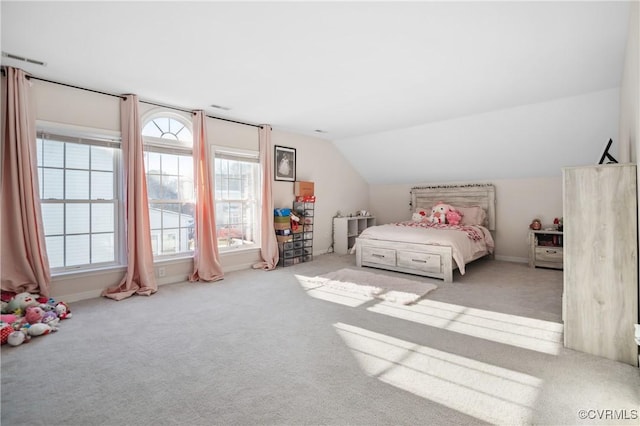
(391, 289)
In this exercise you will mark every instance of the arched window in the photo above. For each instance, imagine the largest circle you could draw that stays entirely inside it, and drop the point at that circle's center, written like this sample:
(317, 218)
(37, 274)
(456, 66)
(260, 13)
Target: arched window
(170, 128)
(169, 168)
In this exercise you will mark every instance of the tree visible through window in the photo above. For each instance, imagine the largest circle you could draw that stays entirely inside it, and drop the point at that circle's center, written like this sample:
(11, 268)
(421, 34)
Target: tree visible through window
(169, 170)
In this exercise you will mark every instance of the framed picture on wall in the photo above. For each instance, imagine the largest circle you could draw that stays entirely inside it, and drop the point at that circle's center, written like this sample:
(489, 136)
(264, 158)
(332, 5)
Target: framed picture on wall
(285, 163)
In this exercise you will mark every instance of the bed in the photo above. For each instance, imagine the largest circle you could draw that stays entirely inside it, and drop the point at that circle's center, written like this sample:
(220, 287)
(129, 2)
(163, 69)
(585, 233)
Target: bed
(433, 251)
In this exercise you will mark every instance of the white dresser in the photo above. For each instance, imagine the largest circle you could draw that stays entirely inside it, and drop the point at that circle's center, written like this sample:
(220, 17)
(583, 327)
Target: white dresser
(600, 300)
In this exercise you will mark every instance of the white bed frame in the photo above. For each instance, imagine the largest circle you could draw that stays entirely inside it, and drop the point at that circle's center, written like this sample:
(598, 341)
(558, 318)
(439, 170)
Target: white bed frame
(422, 259)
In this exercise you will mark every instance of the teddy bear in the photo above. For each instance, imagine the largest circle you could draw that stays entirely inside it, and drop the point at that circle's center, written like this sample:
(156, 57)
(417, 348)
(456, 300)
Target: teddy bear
(439, 213)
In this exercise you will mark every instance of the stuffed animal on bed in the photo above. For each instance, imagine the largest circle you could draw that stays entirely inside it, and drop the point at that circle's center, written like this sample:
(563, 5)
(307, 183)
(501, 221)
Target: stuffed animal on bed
(439, 213)
(419, 215)
(454, 217)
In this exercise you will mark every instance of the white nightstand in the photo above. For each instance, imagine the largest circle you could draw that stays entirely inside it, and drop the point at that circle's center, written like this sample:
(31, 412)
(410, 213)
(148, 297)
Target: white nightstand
(545, 249)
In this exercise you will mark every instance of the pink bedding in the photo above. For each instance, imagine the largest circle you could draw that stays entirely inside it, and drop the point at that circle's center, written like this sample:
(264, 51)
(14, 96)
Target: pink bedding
(467, 242)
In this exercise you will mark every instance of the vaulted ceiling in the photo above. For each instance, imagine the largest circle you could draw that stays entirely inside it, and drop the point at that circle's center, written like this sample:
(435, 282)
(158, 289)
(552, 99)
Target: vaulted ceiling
(346, 68)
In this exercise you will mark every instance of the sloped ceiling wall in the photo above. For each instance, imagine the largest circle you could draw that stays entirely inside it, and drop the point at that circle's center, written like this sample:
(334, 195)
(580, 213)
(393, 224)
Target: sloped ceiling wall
(528, 141)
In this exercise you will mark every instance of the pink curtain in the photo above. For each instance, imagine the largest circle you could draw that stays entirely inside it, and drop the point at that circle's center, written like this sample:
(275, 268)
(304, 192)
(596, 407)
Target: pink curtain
(269, 249)
(140, 278)
(206, 259)
(25, 265)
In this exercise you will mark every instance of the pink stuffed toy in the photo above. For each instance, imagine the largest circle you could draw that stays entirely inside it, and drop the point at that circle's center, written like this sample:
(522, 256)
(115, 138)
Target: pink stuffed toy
(439, 213)
(34, 314)
(8, 318)
(453, 217)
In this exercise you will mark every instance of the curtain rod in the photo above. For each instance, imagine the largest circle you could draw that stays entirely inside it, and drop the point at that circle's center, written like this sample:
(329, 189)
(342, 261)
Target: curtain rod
(30, 77)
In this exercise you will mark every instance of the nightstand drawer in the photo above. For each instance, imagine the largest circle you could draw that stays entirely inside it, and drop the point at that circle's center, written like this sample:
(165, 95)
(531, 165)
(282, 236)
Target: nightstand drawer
(549, 254)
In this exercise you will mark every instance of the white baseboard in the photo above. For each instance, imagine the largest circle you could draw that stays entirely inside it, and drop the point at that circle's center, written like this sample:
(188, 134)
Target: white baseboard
(92, 294)
(75, 297)
(319, 252)
(240, 267)
(512, 259)
(172, 279)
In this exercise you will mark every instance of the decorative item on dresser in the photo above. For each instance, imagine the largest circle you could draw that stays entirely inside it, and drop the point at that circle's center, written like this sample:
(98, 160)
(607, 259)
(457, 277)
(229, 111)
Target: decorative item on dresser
(600, 299)
(415, 249)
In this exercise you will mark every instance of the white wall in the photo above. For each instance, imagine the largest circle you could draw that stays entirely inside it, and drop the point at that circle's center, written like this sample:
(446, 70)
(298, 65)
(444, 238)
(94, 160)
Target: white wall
(64, 105)
(338, 186)
(518, 201)
(520, 150)
(523, 142)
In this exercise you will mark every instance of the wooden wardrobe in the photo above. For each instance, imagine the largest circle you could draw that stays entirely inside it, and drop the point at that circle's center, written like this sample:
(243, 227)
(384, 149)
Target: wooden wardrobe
(600, 300)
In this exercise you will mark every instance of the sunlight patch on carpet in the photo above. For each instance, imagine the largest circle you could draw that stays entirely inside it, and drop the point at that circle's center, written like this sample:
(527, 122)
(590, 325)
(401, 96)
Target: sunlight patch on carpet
(354, 287)
(484, 391)
(527, 333)
(322, 288)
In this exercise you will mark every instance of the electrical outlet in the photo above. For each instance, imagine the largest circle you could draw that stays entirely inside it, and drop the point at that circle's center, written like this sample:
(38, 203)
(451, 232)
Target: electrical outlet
(161, 272)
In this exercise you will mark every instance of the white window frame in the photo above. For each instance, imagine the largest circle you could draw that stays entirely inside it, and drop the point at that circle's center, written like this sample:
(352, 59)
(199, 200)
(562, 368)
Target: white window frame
(171, 147)
(253, 156)
(92, 137)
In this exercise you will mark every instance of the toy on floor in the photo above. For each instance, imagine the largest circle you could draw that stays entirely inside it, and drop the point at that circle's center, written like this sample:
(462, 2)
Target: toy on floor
(33, 314)
(63, 310)
(22, 301)
(26, 315)
(18, 337)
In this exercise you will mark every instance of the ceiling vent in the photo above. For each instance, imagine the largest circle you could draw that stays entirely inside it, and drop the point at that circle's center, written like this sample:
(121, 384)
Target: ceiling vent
(23, 59)
(224, 108)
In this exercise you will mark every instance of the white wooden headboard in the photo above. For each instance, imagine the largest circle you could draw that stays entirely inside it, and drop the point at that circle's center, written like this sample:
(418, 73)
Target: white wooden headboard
(483, 195)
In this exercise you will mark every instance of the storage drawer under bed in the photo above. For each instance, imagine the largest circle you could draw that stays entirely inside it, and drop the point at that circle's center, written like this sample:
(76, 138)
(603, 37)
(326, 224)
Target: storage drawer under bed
(427, 262)
(379, 255)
